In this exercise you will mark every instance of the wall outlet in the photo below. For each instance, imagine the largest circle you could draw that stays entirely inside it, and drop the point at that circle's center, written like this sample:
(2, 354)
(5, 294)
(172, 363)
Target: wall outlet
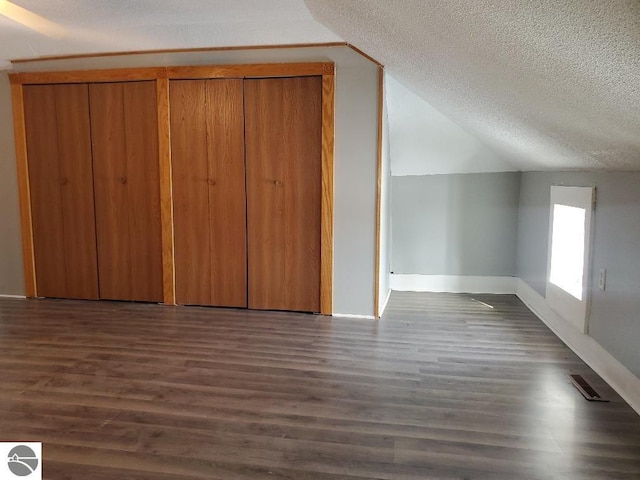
(602, 283)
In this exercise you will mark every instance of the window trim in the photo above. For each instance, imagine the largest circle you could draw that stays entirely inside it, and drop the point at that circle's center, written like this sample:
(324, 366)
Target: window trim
(574, 311)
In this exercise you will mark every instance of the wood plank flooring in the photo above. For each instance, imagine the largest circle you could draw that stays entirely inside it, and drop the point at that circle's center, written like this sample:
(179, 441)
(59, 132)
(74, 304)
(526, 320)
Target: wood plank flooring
(443, 387)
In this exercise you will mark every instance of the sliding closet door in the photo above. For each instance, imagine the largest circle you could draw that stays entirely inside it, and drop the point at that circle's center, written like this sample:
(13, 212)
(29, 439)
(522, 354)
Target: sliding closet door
(61, 184)
(207, 154)
(127, 190)
(283, 146)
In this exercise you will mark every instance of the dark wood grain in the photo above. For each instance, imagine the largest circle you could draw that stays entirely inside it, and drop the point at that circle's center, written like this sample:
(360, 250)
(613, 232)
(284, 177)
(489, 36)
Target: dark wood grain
(441, 387)
(44, 182)
(76, 180)
(283, 125)
(143, 187)
(227, 196)
(207, 129)
(127, 190)
(61, 180)
(190, 192)
(111, 198)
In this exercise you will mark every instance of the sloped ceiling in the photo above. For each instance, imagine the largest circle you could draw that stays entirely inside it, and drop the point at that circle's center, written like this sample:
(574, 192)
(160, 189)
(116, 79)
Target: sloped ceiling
(549, 84)
(423, 141)
(546, 84)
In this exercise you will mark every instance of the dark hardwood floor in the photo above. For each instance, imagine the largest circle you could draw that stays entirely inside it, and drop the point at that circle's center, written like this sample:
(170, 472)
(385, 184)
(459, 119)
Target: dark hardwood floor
(442, 387)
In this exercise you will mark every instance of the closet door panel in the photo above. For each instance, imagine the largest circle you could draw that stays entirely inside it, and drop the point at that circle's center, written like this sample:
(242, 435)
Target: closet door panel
(207, 136)
(145, 237)
(111, 199)
(190, 192)
(283, 141)
(44, 183)
(59, 152)
(76, 172)
(227, 197)
(125, 162)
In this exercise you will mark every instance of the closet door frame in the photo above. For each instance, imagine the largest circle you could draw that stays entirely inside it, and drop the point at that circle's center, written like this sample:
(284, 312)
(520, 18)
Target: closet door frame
(162, 76)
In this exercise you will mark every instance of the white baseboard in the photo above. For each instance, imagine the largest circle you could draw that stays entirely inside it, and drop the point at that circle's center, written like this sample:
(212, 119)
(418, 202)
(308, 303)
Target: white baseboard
(591, 352)
(384, 304)
(452, 283)
(349, 315)
(2, 295)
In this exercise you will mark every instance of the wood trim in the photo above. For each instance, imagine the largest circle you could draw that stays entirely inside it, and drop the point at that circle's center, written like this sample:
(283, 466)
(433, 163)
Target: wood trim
(22, 165)
(326, 244)
(162, 76)
(251, 70)
(195, 72)
(361, 53)
(376, 293)
(88, 76)
(180, 50)
(166, 193)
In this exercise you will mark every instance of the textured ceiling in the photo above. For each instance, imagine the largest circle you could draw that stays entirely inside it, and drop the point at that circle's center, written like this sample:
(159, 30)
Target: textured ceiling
(119, 25)
(549, 84)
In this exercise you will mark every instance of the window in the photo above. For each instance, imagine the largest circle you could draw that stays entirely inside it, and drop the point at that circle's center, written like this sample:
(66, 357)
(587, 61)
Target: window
(567, 249)
(569, 253)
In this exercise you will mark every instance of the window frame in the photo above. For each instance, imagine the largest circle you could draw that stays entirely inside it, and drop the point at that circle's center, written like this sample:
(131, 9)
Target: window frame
(571, 309)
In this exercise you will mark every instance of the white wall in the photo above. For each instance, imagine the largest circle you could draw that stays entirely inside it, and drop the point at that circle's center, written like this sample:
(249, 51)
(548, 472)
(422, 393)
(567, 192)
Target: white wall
(355, 162)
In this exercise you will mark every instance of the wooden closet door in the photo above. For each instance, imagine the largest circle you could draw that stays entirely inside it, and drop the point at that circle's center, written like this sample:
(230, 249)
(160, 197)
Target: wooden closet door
(207, 153)
(283, 125)
(61, 184)
(124, 133)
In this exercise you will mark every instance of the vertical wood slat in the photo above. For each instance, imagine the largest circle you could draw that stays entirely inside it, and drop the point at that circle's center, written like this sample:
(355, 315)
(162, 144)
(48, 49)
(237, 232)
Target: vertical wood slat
(283, 126)
(46, 196)
(166, 192)
(302, 187)
(22, 167)
(76, 190)
(143, 190)
(124, 132)
(227, 193)
(61, 189)
(326, 247)
(265, 195)
(190, 191)
(110, 175)
(376, 293)
(207, 128)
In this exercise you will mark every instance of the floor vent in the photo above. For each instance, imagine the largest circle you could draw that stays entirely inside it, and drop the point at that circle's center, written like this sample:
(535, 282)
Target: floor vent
(585, 389)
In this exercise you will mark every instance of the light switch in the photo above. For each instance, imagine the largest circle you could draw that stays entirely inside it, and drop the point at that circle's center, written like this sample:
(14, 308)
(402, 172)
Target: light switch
(603, 279)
